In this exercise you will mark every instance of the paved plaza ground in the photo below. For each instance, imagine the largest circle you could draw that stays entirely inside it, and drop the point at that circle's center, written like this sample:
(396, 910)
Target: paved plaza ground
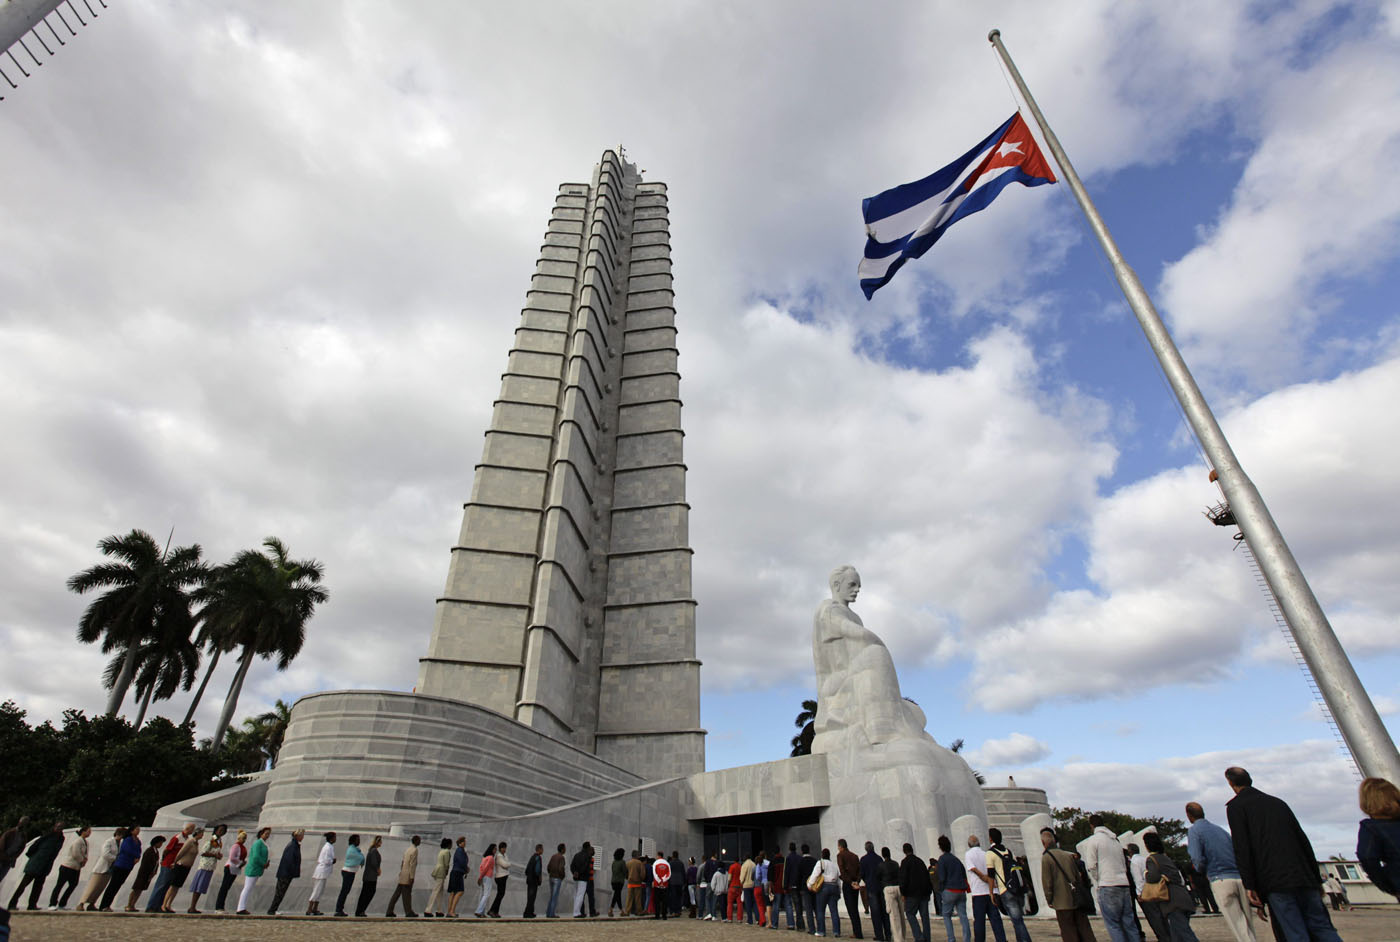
(1371, 924)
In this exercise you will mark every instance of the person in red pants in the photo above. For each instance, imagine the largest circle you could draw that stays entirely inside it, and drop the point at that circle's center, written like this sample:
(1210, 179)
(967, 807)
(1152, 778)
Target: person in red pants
(736, 890)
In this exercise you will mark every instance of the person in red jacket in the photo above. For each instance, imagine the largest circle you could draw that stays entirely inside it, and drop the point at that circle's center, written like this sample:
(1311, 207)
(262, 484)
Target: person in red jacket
(736, 891)
(660, 884)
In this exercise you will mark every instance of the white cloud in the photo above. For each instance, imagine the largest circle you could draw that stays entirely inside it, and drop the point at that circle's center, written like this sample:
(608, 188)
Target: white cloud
(827, 457)
(1180, 606)
(1016, 749)
(1314, 205)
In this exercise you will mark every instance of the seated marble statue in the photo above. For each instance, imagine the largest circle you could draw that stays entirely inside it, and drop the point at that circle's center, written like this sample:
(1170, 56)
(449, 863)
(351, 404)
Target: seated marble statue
(858, 692)
(889, 781)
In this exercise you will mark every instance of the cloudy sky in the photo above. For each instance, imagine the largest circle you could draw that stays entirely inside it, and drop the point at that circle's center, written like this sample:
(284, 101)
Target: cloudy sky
(262, 264)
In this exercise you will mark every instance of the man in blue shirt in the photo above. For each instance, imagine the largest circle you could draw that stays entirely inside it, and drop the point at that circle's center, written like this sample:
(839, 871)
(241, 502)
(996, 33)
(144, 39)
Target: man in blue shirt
(1213, 853)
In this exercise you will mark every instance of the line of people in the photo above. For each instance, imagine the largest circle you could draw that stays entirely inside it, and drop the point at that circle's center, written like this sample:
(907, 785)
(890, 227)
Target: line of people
(805, 890)
(1263, 866)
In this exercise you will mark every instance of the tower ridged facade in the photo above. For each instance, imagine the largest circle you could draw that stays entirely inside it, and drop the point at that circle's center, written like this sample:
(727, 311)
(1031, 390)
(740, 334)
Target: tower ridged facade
(568, 601)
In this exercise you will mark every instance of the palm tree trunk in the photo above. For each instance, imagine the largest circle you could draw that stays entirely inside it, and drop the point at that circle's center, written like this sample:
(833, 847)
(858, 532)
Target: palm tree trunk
(145, 702)
(119, 689)
(199, 694)
(231, 701)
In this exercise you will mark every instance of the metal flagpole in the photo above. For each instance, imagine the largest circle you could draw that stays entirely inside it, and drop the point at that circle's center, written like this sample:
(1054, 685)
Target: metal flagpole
(1355, 714)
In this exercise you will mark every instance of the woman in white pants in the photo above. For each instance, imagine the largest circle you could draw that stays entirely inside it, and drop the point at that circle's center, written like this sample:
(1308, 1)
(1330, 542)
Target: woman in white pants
(258, 856)
(325, 863)
(486, 879)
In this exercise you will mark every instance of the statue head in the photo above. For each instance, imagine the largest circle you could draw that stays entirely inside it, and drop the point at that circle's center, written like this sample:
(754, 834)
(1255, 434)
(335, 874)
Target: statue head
(845, 584)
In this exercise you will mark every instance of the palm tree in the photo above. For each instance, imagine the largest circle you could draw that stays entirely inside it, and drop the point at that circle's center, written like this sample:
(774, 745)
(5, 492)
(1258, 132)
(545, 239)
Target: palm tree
(147, 602)
(211, 639)
(166, 664)
(260, 602)
(253, 746)
(956, 746)
(273, 723)
(806, 722)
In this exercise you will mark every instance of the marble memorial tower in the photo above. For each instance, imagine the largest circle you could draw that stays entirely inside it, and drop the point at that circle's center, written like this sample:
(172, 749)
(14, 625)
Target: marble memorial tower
(568, 600)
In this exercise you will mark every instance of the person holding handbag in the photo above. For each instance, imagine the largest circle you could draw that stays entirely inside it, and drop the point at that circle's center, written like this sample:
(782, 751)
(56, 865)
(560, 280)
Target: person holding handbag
(825, 882)
(1070, 898)
(1164, 885)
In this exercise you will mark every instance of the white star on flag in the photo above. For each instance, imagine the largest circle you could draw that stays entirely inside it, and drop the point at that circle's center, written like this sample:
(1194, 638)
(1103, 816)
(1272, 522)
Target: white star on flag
(1009, 147)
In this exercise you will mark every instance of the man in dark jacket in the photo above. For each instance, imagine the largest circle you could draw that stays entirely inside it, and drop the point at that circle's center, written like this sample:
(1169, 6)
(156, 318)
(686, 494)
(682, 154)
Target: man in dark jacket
(41, 854)
(875, 892)
(534, 876)
(805, 865)
(288, 869)
(848, 865)
(792, 878)
(677, 883)
(11, 844)
(1276, 861)
(916, 888)
(581, 868)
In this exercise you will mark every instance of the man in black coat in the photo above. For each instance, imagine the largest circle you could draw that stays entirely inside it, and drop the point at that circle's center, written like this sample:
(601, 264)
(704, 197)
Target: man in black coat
(534, 875)
(793, 880)
(805, 865)
(41, 854)
(1276, 861)
(581, 867)
(288, 869)
(11, 846)
(916, 888)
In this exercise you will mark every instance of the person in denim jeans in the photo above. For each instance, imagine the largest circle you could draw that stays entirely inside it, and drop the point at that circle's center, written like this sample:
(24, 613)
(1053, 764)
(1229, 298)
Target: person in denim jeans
(827, 895)
(555, 869)
(952, 877)
(999, 863)
(1103, 858)
(916, 888)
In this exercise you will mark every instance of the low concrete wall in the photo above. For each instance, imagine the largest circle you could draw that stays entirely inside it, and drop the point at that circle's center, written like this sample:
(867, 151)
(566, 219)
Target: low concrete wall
(238, 806)
(361, 760)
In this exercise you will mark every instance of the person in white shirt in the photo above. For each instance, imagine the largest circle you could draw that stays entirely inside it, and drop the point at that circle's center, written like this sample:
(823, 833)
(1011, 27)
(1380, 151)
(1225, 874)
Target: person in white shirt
(101, 871)
(325, 864)
(827, 894)
(1103, 858)
(979, 884)
(502, 874)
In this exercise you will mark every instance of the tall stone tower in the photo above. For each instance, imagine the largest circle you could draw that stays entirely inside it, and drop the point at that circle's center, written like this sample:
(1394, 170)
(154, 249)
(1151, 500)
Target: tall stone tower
(568, 602)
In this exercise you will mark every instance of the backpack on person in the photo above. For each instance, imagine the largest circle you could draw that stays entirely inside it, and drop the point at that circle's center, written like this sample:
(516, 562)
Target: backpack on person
(1014, 875)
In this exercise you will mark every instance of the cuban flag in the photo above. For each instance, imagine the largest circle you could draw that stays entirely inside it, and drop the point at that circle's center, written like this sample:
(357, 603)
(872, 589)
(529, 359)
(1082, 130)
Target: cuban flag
(904, 222)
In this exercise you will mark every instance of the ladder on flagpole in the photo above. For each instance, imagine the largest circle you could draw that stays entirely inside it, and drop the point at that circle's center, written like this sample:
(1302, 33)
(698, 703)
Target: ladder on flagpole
(1220, 515)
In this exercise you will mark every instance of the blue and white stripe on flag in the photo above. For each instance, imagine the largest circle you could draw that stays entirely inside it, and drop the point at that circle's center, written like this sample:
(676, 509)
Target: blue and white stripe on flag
(904, 222)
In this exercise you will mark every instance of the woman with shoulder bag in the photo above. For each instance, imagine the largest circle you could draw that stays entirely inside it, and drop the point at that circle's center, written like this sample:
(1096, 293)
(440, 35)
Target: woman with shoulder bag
(1164, 885)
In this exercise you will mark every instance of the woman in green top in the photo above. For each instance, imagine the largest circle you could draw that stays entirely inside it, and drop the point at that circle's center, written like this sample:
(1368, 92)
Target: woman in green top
(258, 857)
